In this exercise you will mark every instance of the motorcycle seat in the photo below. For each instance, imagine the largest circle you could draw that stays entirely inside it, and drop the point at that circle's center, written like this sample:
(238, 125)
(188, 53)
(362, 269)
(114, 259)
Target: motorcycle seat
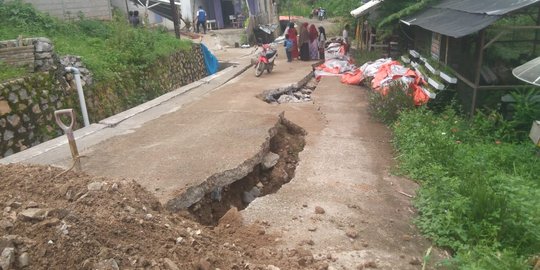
(270, 54)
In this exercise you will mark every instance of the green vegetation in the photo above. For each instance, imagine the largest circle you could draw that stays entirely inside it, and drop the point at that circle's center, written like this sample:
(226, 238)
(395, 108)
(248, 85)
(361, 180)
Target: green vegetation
(480, 190)
(386, 108)
(106, 47)
(9, 72)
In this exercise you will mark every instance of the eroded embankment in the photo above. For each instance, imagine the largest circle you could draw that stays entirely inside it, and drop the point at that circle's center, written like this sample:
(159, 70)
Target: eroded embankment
(276, 166)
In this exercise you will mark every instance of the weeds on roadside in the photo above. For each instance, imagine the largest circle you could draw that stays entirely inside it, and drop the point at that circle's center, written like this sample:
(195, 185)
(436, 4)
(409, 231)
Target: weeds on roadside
(105, 47)
(386, 108)
(479, 195)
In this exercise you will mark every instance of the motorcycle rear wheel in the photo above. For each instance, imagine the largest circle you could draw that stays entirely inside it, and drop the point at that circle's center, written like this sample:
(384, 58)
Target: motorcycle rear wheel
(270, 67)
(259, 69)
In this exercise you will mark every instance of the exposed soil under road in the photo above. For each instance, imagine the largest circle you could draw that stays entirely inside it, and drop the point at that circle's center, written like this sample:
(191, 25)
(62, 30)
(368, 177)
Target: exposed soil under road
(287, 143)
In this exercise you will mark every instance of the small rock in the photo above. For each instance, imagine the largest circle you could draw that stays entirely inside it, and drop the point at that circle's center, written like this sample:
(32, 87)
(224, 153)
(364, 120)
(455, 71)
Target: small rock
(312, 229)
(351, 233)
(148, 216)
(319, 210)
(170, 265)
(50, 222)
(179, 240)
(7, 258)
(271, 267)
(204, 265)
(15, 204)
(33, 214)
(130, 209)
(415, 261)
(114, 187)
(370, 264)
(32, 204)
(260, 185)
(24, 260)
(270, 160)
(5, 224)
(249, 196)
(304, 205)
(95, 186)
(109, 264)
(407, 237)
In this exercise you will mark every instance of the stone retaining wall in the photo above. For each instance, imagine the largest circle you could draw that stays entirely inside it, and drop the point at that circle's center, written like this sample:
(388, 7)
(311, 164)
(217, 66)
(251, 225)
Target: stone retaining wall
(27, 105)
(34, 53)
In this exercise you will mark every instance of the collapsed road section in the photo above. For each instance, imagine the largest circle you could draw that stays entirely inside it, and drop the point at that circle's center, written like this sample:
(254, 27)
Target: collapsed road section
(262, 174)
(277, 168)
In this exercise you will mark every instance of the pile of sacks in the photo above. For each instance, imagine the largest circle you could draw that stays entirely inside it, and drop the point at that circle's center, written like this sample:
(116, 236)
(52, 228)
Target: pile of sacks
(383, 72)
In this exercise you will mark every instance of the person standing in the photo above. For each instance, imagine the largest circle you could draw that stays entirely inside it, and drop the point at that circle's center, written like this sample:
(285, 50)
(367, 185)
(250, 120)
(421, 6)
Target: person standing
(201, 19)
(313, 43)
(303, 42)
(322, 41)
(293, 36)
(346, 42)
(288, 47)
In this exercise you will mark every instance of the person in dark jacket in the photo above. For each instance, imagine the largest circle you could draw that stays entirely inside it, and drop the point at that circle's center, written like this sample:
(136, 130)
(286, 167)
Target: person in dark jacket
(303, 42)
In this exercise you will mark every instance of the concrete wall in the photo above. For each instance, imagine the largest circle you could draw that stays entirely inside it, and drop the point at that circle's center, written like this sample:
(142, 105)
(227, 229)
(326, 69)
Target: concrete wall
(66, 9)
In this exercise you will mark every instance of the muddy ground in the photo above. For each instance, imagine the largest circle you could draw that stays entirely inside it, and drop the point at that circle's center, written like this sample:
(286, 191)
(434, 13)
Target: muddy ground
(56, 220)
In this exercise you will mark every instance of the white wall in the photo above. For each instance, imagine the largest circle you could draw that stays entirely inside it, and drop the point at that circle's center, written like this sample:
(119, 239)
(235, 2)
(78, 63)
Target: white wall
(65, 9)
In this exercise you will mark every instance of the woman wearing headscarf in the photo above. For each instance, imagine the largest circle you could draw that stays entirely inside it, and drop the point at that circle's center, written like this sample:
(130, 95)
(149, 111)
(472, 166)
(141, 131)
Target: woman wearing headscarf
(313, 43)
(303, 42)
(293, 35)
(322, 41)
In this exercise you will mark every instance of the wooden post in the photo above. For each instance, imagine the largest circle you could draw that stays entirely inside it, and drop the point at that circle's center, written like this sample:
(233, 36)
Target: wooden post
(480, 59)
(358, 34)
(536, 31)
(176, 21)
(446, 53)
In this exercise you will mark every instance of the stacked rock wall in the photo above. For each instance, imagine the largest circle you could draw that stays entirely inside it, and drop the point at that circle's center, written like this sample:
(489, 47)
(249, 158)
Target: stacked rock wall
(27, 104)
(34, 53)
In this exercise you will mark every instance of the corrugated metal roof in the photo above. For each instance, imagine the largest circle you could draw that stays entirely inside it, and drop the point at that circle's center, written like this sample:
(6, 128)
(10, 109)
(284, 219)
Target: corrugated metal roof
(458, 18)
(489, 7)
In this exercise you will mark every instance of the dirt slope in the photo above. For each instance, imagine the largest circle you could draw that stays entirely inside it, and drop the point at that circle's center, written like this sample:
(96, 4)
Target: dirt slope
(52, 220)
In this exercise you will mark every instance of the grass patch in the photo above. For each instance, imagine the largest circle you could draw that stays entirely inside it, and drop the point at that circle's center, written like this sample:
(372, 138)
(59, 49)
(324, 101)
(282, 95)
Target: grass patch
(105, 47)
(479, 194)
(10, 72)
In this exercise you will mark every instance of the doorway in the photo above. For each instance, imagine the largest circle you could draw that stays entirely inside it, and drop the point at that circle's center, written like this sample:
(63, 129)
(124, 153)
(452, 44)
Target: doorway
(227, 7)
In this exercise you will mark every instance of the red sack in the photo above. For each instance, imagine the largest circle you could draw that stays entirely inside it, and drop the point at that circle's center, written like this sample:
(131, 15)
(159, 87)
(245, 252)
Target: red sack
(353, 78)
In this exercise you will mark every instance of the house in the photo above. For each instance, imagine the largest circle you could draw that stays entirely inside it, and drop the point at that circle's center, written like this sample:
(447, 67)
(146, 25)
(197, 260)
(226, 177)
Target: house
(471, 38)
(94, 9)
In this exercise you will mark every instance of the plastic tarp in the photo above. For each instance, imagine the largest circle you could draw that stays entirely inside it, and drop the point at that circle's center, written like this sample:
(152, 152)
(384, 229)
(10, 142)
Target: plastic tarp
(386, 71)
(210, 61)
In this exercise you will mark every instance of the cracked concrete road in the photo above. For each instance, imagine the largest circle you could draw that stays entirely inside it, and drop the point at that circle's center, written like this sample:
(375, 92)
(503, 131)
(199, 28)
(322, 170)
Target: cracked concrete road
(222, 128)
(344, 169)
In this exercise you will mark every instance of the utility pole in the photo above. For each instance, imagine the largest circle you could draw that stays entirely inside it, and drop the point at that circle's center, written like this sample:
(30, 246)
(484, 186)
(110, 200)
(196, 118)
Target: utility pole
(176, 21)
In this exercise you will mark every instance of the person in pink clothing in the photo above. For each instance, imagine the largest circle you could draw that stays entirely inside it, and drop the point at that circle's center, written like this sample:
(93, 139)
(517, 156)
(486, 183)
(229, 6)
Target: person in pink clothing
(293, 36)
(313, 43)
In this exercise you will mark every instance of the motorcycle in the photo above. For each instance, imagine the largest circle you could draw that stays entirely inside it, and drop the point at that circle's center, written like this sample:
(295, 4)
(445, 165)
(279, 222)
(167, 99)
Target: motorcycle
(265, 60)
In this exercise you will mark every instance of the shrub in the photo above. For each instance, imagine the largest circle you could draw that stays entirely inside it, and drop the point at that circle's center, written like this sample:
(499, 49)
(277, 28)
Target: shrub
(386, 108)
(479, 196)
